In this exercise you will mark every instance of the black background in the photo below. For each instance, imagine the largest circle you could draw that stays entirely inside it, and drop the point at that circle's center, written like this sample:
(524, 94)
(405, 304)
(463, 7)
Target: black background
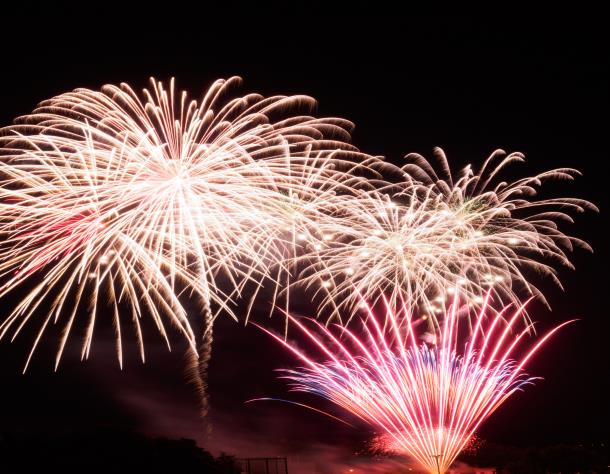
(536, 85)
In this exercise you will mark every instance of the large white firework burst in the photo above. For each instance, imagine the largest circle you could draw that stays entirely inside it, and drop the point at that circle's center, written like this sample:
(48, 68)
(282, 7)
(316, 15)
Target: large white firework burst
(420, 239)
(109, 195)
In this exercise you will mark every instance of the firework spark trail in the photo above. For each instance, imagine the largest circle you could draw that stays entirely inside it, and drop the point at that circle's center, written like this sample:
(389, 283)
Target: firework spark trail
(429, 399)
(136, 200)
(414, 239)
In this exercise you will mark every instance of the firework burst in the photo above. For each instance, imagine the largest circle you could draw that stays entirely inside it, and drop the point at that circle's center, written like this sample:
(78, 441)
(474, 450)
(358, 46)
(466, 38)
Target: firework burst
(109, 195)
(312, 197)
(429, 398)
(423, 238)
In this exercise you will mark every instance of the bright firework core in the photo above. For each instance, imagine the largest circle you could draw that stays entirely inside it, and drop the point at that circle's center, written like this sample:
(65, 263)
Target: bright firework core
(429, 395)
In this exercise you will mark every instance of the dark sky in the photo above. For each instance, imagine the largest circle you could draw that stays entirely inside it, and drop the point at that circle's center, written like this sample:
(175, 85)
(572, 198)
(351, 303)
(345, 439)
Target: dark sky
(539, 86)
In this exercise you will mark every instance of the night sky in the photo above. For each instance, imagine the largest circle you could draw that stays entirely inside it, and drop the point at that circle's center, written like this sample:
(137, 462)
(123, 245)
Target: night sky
(538, 86)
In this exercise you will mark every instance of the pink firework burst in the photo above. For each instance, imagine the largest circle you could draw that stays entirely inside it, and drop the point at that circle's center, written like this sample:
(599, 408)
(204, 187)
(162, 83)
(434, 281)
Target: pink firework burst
(427, 398)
